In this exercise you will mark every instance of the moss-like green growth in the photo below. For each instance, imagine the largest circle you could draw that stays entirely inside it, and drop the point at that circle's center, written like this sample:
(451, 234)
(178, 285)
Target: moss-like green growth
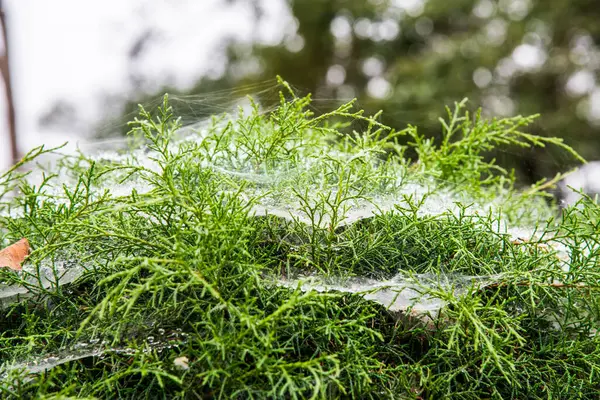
(175, 270)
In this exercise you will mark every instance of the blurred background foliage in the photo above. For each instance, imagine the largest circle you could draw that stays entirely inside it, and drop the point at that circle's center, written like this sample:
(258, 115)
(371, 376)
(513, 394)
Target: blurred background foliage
(410, 58)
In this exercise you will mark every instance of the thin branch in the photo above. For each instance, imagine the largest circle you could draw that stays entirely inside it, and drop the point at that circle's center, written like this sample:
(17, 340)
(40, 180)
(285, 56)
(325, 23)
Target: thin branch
(5, 70)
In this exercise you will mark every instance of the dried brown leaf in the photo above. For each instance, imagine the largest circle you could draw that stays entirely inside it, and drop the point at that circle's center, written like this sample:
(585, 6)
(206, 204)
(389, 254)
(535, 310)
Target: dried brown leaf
(14, 255)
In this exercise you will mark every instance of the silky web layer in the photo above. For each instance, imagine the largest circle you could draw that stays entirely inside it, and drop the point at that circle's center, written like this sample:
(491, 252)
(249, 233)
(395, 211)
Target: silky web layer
(274, 191)
(299, 191)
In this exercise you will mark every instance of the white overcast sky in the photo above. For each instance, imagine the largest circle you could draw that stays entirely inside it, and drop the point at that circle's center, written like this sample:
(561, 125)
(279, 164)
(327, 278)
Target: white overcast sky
(76, 50)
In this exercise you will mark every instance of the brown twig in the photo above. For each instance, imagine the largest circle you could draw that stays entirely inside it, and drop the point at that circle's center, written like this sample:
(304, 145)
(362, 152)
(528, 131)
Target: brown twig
(5, 70)
(557, 285)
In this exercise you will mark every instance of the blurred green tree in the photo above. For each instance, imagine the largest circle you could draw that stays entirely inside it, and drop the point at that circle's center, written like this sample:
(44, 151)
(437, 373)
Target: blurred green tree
(410, 58)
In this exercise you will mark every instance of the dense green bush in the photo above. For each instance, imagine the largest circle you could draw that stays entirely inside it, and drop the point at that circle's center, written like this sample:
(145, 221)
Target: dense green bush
(195, 254)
